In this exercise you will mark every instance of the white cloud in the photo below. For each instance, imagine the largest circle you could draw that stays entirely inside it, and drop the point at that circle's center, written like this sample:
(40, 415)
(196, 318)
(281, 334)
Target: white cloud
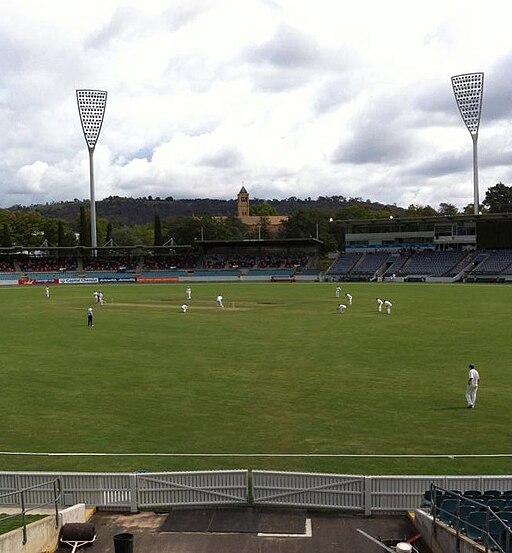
(290, 96)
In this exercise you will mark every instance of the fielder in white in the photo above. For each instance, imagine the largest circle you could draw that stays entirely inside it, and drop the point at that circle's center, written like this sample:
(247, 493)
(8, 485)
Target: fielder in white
(219, 303)
(349, 298)
(184, 308)
(47, 292)
(342, 308)
(188, 291)
(388, 305)
(338, 291)
(472, 386)
(379, 305)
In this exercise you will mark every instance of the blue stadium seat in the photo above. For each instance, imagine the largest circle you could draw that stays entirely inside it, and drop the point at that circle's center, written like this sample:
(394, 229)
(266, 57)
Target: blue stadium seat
(472, 494)
(464, 512)
(491, 493)
(496, 531)
(476, 523)
(506, 516)
(427, 499)
(447, 511)
(496, 504)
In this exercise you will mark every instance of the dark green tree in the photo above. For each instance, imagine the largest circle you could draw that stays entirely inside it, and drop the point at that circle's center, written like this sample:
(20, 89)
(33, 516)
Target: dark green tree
(498, 198)
(108, 236)
(84, 226)
(420, 211)
(60, 234)
(306, 223)
(6, 236)
(358, 211)
(447, 209)
(124, 235)
(263, 209)
(158, 236)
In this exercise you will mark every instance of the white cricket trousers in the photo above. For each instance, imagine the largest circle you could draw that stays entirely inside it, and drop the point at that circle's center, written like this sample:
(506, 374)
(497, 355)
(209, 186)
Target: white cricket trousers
(471, 395)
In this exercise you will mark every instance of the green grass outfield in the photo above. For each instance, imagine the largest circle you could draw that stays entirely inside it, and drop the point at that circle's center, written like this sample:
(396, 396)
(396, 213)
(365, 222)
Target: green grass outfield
(278, 372)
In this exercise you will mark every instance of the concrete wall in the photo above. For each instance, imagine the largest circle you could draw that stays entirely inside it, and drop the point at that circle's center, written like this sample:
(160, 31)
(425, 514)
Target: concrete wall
(42, 535)
(441, 538)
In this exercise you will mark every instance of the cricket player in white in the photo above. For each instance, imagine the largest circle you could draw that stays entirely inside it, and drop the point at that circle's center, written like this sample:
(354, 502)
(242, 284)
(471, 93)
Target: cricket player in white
(388, 305)
(338, 291)
(472, 386)
(342, 308)
(349, 298)
(47, 292)
(188, 291)
(184, 308)
(379, 305)
(219, 299)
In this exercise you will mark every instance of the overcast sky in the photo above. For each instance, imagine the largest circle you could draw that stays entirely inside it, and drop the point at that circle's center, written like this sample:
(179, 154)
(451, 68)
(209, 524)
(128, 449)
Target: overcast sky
(289, 97)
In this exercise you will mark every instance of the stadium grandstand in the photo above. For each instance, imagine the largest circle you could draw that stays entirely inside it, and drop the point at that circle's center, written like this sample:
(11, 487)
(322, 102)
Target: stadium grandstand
(261, 260)
(457, 248)
(467, 248)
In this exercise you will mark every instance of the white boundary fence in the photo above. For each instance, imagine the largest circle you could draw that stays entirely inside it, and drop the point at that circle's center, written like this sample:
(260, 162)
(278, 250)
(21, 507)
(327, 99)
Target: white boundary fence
(135, 491)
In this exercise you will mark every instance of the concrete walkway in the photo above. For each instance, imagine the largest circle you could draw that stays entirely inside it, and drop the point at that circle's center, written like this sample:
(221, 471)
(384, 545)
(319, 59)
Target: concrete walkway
(325, 533)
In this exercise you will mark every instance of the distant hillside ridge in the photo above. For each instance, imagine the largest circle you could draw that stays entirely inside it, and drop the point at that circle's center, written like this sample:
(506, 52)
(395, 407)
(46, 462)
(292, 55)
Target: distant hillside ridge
(136, 211)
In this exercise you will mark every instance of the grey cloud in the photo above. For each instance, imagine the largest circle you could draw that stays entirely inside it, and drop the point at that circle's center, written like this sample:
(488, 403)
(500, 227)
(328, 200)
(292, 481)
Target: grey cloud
(497, 96)
(128, 22)
(288, 48)
(333, 94)
(14, 55)
(440, 165)
(492, 156)
(180, 15)
(273, 80)
(291, 59)
(122, 22)
(372, 147)
(434, 99)
(228, 157)
(381, 133)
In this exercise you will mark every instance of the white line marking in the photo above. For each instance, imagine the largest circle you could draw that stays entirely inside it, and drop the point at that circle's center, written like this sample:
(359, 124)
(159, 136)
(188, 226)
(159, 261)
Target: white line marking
(308, 533)
(304, 455)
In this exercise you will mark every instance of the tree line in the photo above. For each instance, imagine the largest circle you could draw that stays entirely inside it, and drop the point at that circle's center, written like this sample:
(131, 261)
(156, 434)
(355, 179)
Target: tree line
(34, 226)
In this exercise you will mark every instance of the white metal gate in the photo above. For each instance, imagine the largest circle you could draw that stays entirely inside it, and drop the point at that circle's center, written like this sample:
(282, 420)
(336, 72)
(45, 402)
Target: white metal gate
(301, 489)
(225, 487)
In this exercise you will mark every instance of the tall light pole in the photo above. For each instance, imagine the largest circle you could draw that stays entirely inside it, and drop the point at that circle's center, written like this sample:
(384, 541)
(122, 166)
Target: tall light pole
(468, 90)
(91, 108)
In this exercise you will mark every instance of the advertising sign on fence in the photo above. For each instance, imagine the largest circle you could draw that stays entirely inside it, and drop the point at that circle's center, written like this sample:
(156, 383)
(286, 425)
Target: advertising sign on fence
(118, 279)
(29, 281)
(78, 280)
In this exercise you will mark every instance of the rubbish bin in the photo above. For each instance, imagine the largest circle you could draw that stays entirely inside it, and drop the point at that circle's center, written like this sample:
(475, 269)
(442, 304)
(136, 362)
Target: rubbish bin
(123, 543)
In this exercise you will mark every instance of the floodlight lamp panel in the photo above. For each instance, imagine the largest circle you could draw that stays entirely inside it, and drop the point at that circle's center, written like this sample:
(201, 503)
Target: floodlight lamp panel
(91, 108)
(468, 90)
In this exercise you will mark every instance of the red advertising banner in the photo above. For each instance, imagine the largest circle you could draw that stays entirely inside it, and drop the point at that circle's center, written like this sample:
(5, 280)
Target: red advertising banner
(29, 281)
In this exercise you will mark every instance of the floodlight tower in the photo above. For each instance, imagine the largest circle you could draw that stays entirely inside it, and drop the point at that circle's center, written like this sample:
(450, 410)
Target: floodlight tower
(91, 108)
(468, 90)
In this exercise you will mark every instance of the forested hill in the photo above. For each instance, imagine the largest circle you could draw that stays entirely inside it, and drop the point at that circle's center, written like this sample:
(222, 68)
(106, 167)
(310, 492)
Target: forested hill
(133, 211)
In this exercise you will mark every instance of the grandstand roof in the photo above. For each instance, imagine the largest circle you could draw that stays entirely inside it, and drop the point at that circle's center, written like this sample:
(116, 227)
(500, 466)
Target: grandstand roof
(273, 242)
(432, 219)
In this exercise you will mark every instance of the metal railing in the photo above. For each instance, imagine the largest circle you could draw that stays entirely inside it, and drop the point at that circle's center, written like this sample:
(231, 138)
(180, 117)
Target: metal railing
(491, 530)
(21, 501)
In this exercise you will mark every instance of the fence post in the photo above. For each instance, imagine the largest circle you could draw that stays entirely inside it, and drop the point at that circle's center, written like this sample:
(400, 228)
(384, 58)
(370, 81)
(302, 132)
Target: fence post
(23, 518)
(134, 493)
(56, 497)
(367, 495)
